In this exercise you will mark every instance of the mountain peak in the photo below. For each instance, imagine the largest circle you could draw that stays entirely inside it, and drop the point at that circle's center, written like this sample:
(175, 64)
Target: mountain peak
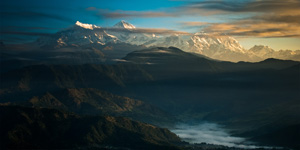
(86, 26)
(124, 24)
(262, 51)
(200, 33)
(260, 47)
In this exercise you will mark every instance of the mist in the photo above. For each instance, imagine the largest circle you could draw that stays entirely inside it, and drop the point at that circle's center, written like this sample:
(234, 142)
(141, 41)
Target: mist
(211, 133)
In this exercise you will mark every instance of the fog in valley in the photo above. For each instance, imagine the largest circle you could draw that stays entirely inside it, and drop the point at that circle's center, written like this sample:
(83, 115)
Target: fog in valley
(211, 133)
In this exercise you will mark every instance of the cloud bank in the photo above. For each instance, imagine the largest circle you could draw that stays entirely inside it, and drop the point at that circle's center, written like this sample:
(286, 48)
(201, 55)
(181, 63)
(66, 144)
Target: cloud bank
(268, 18)
(211, 133)
(254, 18)
(119, 14)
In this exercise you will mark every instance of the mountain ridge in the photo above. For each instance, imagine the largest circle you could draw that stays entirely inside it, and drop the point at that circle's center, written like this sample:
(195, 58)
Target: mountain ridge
(220, 47)
(89, 101)
(186, 85)
(40, 128)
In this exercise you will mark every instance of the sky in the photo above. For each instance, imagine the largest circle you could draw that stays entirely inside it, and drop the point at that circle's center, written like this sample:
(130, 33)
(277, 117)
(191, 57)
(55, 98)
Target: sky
(275, 23)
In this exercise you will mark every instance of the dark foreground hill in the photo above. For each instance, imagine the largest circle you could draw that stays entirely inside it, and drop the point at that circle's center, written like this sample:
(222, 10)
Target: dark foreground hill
(252, 99)
(49, 128)
(288, 137)
(89, 101)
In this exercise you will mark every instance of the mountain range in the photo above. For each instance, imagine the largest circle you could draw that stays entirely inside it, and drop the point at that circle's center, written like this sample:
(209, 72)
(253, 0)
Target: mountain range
(251, 98)
(221, 47)
(86, 43)
(88, 78)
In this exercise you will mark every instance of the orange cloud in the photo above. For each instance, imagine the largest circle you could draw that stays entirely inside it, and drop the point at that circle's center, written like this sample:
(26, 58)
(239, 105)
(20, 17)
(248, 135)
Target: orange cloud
(267, 18)
(129, 14)
(256, 29)
(261, 18)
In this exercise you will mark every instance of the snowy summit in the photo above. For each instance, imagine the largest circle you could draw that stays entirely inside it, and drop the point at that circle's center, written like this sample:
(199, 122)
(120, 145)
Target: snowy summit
(124, 24)
(86, 26)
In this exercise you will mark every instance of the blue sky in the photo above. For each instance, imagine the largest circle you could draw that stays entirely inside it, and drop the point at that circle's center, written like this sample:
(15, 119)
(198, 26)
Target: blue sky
(73, 10)
(272, 22)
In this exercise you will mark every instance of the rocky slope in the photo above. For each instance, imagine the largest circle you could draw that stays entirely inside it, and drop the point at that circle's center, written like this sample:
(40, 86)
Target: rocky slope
(245, 97)
(31, 128)
(88, 101)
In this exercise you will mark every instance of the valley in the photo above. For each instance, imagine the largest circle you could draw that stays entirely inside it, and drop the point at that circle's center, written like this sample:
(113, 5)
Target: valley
(126, 87)
(166, 86)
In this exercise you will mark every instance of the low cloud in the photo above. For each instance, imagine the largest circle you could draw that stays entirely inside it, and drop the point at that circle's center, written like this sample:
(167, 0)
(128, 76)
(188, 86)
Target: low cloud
(194, 23)
(105, 13)
(290, 19)
(250, 28)
(211, 133)
(255, 6)
(268, 18)
(256, 18)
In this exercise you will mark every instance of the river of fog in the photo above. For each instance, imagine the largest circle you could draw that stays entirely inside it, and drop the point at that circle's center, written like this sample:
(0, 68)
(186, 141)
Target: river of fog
(210, 133)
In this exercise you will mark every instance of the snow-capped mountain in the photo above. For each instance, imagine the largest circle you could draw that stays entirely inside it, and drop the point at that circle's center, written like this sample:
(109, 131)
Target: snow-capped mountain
(262, 51)
(87, 26)
(123, 33)
(265, 52)
(78, 35)
(203, 41)
(220, 47)
(124, 24)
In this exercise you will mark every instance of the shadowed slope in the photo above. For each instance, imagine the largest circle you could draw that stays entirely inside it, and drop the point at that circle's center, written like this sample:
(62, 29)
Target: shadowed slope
(48, 128)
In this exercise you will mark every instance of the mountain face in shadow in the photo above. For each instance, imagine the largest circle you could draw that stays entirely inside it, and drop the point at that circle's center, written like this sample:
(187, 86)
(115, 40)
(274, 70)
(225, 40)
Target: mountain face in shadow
(258, 98)
(48, 128)
(251, 99)
(287, 136)
(14, 58)
(88, 101)
(164, 55)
